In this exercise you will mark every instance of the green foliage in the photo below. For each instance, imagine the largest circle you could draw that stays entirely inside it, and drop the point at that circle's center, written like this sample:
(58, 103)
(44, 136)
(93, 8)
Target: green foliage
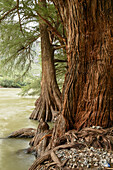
(17, 37)
(16, 50)
(33, 88)
(11, 83)
(60, 67)
(19, 32)
(6, 5)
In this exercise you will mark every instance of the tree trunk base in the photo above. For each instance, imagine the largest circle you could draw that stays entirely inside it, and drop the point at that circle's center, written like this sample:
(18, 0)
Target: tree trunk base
(45, 109)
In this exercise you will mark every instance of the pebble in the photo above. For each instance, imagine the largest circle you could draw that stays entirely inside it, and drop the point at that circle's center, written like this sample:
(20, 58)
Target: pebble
(112, 160)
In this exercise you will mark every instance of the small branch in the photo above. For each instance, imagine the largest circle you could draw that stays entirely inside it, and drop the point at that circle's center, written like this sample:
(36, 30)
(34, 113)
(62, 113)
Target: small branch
(59, 47)
(55, 158)
(24, 47)
(58, 60)
(48, 135)
(50, 164)
(54, 31)
(19, 17)
(6, 14)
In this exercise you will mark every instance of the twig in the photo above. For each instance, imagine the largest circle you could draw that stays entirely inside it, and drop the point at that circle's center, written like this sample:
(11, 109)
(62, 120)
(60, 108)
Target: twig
(6, 14)
(55, 158)
(54, 31)
(59, 47)
(61, 61)
(50, 164)
(19, 17)
(48, 135)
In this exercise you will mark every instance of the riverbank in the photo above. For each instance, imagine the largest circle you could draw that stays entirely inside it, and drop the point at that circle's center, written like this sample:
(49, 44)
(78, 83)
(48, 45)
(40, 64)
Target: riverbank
(14, 114)
(10, 83)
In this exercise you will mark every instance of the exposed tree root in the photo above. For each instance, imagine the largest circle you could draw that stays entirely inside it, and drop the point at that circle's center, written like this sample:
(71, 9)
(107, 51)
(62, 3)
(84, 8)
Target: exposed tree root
(87, 137)
(41, 139)
(47, 105)
(51, 155)
(23, 133)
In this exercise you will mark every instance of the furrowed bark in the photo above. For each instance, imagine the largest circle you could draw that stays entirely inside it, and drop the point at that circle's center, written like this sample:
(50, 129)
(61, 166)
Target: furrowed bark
(50, 97)
(87, 97)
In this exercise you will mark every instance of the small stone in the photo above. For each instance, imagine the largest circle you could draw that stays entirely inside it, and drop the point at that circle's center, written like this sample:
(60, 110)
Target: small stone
(112, 160)
(74, 159)
(92, 149)
(108, 159)
(103, 160)
(104, 153)
(75, 151)
(80, 154)
(82, 140)
(96, 164)
(59, 155)
(88, 165)
(95, 159)
(89, 160)
(98, 152)
(70, 156)
(63, 159)
(82, 165)
(103, 156)
(75, 165)
(98, 127)
(69, 166)
(106, 164)
(56, 151)
(91, 154)
(85, 162)
(108, 154)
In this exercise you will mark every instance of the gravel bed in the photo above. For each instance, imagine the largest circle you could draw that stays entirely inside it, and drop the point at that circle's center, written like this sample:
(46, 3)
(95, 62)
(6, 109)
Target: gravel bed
(88, 158)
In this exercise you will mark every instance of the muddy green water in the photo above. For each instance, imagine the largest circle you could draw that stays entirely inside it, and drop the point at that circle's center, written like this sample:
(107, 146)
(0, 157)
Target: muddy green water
(14, 115)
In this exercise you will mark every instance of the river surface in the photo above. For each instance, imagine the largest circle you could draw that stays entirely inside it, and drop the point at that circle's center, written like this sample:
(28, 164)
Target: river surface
(14, 115)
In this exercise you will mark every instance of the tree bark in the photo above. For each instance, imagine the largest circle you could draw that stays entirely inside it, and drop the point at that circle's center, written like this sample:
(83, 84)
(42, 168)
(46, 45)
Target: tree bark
(87, 97)
(50, 97)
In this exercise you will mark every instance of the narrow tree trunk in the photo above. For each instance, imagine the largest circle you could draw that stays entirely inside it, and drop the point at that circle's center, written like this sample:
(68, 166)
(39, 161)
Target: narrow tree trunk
(50, 98)
(87, 97)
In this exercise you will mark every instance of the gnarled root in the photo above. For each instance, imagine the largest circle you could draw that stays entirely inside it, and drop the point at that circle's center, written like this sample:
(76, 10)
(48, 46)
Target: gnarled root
(41, 139)
(87, 137)
(46, 107)
(51, 156)
(23, 133)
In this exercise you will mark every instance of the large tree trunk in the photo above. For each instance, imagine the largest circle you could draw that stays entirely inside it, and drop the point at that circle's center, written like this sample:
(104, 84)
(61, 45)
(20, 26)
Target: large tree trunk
(50, 98)
(87, 97)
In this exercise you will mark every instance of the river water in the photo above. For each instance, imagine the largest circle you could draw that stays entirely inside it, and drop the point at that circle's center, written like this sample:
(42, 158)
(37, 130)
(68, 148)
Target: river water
(14, 115)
